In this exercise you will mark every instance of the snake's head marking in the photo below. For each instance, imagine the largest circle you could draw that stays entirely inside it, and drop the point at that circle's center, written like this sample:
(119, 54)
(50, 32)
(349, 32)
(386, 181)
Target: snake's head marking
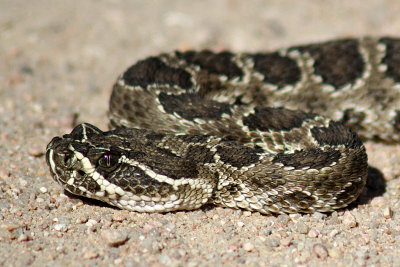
(125, 169)
(74, 158)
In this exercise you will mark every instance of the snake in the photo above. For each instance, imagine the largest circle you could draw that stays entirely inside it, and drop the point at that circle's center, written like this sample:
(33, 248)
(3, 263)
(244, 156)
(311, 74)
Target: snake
(270, 132)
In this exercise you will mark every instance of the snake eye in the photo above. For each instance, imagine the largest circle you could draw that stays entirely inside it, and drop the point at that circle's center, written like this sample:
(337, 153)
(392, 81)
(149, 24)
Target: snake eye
(108, 160)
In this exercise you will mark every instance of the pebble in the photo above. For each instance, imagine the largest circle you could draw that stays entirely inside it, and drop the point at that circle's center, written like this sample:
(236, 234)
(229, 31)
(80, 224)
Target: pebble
(61, 227)
(295, 217)
(247, 213)
(248, 246)
(334, 253)
(273, 242)
(321, 251)
(283, 219)
(36, 150)
(313, 233)
(91, 223)
(4, 173)
(90, 254)
(349, 219)
(43, 189)
(286, 241)
(114, 238)
(23, 237)
(118, 217)
(302, 228)
(387, 213)
(9, 227)
(333, 233)
(378, 202)
(318, 216)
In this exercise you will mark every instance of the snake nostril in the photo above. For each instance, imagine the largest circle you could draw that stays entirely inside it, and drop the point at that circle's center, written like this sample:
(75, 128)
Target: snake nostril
(81, 173)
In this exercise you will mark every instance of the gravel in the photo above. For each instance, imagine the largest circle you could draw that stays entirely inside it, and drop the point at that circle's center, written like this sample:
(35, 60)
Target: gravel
(59, 61)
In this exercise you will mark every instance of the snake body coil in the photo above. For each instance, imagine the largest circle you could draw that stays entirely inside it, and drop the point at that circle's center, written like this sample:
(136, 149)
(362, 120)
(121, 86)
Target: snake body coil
(224, 128)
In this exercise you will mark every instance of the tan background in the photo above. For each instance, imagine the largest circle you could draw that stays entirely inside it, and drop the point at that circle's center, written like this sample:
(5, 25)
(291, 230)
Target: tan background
(59, 59)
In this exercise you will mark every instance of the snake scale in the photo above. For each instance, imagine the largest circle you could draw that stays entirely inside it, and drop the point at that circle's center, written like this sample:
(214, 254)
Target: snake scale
(272, 132)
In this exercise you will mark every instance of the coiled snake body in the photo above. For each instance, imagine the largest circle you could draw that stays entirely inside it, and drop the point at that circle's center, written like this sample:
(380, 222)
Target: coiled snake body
(239, 130)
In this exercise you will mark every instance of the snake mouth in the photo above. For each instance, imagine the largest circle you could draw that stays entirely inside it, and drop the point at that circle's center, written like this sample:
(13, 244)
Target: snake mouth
(65, 167)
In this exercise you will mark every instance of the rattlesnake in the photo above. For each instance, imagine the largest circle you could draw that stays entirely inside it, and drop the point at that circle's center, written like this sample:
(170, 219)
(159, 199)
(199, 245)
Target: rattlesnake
(239, 130)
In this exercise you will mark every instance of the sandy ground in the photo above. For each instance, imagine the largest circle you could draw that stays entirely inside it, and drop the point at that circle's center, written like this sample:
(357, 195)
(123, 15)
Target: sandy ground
(59, 60)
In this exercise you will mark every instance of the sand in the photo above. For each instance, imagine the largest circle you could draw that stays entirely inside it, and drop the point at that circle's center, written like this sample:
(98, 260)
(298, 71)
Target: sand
(59, 60)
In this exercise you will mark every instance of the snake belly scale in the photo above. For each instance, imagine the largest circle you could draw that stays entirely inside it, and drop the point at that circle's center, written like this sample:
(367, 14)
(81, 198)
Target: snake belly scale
(271, 132)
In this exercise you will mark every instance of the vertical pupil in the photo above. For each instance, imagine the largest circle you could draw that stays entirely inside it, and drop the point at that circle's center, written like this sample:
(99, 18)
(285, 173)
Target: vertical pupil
(108, 159)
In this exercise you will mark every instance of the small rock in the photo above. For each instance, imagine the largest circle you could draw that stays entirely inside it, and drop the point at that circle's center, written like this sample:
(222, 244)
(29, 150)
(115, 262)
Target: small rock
(318, 216)
(23, 237)
(90, 254)
(240, 224)
(349, 219)
(23, 182)
(295, 217)
(36, 150)
(286, 241)
(82, 220)
(283, 219)
(334, 253)
(302, 228)
(170, 227)
(387, 212)
(61, 227)
(114, 238)
(43, 190)
(6, 235)
(9, 227)
(273, 242)
(333, 233)
(378, 202)
(313, 233)
(248, 246)
(118, 217)
(4, 173)
(246, 213)
(91, 223)
(321, 251)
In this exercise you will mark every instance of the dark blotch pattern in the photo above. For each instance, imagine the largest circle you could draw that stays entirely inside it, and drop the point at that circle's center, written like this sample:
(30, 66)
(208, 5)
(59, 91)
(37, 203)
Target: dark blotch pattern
(200, 154)
(313, 158)
(190, 106)
(154, 136)
(392, 57)
(154, 71)
(188, 138)
(237, 155)
(276, 119)
(218, 63)
(336, 134)
(337, 62)
(276, 69)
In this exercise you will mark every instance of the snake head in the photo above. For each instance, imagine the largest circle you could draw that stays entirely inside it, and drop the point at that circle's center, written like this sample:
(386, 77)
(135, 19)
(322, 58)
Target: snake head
(126, 168)
(73, 159)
